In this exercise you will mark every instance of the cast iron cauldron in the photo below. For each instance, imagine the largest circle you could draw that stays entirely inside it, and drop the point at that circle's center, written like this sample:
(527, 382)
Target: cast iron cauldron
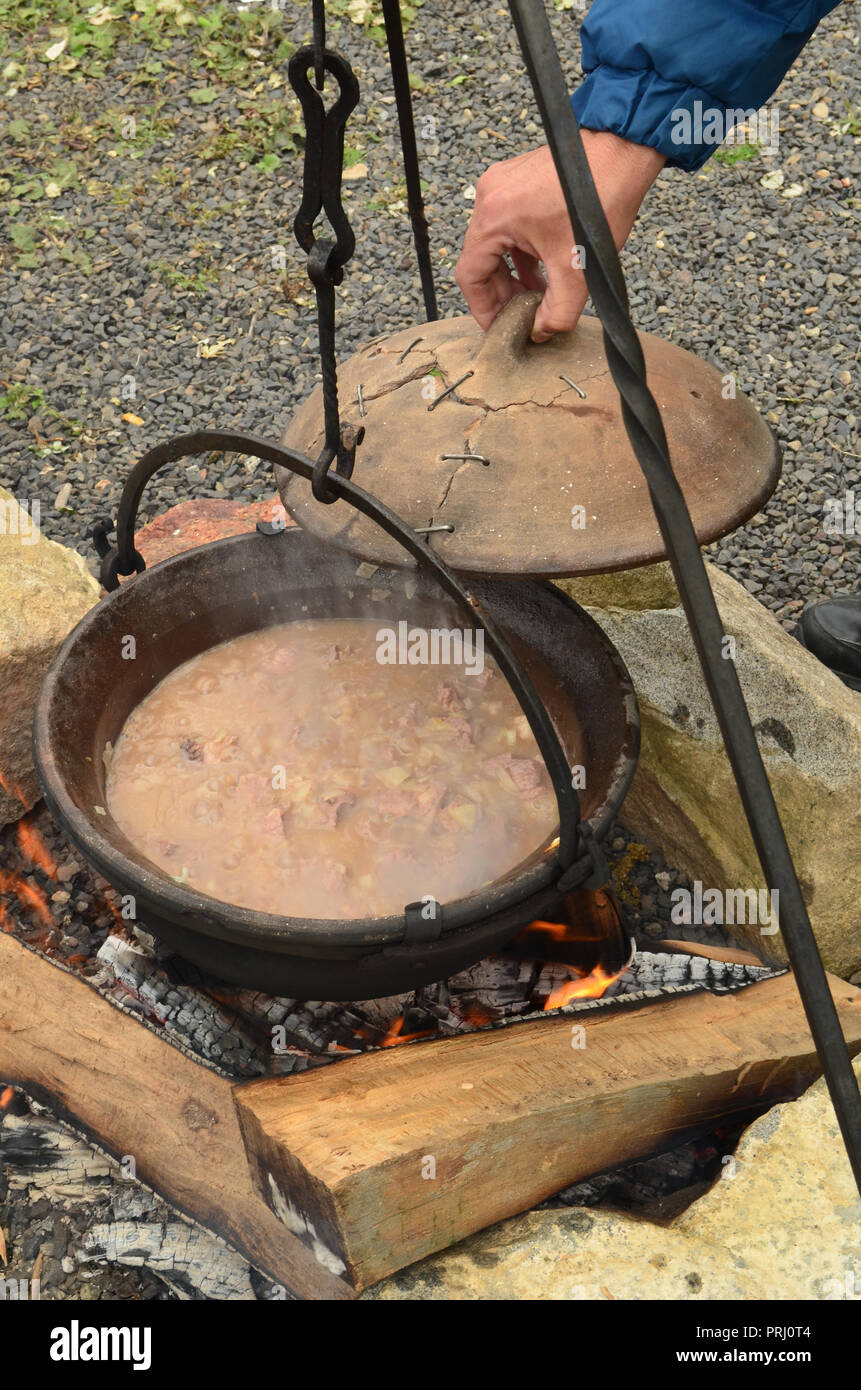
(225, 589)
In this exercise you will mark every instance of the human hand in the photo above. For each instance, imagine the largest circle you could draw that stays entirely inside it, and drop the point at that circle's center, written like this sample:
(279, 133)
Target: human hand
(520, 211)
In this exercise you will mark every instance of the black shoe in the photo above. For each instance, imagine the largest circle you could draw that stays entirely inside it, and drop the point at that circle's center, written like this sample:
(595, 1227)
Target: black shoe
(830, 629)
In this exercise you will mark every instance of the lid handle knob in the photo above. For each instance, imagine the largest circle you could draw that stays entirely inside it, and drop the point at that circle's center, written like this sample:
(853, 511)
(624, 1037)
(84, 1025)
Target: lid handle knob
(506, 339)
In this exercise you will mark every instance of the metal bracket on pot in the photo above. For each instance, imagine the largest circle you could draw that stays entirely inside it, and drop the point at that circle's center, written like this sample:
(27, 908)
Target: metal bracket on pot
(590, 869)
(110, 569)
(420, 926)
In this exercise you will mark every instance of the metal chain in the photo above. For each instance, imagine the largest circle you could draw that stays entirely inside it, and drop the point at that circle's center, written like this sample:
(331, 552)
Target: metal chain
(321, 192)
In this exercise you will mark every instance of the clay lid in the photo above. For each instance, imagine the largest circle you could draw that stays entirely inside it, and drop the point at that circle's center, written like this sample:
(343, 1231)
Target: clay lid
(551, 448)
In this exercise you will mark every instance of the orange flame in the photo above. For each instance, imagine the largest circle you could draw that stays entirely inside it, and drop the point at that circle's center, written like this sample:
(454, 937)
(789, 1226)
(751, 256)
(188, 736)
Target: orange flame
(13, 789)
(31, 898)
(395, 1036)
(590, 986)
(560, 931)
(34, 848)
(6, 1098)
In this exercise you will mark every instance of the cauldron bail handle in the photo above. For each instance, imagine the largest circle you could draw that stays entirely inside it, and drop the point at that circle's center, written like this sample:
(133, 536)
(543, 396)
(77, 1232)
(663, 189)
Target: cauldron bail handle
(578, 855)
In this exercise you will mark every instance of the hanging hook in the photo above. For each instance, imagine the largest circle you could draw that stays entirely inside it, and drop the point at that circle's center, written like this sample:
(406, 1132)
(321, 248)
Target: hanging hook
(321, 191)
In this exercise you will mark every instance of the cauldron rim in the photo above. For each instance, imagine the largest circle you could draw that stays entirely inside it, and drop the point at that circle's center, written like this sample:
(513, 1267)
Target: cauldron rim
(215, 918)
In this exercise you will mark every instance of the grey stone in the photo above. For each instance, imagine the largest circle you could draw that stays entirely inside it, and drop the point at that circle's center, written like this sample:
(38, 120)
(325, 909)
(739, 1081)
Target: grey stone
(44, 590)
(782, 1222)
(684, 797)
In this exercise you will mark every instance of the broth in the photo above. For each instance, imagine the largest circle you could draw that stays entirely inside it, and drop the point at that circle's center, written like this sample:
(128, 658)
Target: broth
(288, 771)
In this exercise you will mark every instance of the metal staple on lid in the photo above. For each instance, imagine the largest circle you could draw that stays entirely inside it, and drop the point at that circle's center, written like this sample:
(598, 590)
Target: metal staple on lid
(413, 344)
(476, 458)
(580, 392)
(448, 390)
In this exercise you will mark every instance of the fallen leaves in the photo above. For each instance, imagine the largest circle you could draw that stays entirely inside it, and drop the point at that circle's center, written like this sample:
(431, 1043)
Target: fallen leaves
(208, 350)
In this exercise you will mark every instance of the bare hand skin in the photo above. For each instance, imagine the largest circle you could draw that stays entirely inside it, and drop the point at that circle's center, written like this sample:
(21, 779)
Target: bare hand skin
(520, 211)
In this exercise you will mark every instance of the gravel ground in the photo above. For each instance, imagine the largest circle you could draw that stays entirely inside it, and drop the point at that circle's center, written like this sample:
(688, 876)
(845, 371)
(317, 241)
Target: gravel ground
(151, 179)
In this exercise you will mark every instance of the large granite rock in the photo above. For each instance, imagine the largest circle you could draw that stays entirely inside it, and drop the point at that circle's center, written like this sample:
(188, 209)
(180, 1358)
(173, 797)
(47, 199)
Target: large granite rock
(45, 589)
(684, 797)
(783, 1222)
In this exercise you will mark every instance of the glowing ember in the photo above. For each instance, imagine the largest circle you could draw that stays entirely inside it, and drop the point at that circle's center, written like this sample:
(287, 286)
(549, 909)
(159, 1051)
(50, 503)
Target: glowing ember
(476, 1016)
(590, 986)
(6, 1098)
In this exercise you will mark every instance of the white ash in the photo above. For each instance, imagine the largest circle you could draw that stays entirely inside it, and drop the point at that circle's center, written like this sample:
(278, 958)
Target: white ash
(74, 1214)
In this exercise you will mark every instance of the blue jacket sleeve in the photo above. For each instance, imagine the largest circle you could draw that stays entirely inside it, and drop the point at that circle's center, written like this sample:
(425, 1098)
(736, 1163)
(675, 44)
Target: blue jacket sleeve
(666, 73)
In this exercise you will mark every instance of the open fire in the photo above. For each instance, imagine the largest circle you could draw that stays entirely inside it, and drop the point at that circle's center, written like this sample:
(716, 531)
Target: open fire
(60, 907)
(56, 905)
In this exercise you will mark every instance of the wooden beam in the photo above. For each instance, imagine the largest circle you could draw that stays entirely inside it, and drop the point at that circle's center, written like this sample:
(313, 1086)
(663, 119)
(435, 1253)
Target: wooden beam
(135, 1094)
(386, 1158)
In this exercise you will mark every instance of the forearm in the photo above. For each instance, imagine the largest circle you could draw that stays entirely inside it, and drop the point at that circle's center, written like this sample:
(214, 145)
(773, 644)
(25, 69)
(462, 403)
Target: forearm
(656, 68)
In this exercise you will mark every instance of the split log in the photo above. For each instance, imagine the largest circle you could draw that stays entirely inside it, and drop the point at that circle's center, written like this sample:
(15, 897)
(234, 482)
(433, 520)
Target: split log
(387, 1158)
(117, 1080)
(505, 1116)
(727, 954)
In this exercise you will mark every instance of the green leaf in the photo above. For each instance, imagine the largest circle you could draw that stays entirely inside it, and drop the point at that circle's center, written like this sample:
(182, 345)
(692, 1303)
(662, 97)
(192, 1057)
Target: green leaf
(735, 154)
(18, 129)
(23, 237)
(64, 173)
(269, 162)
(203, 96)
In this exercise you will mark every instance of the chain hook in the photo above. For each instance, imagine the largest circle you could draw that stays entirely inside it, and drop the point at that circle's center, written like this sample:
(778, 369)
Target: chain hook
(321, 191)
